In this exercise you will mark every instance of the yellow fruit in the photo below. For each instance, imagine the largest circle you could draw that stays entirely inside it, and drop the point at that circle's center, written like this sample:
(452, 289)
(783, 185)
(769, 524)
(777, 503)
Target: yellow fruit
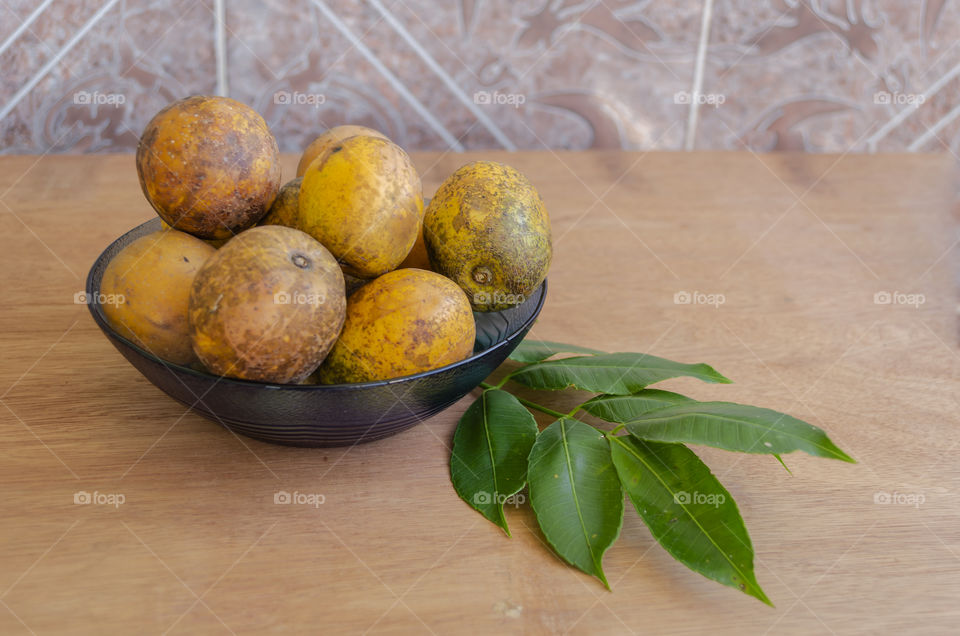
(285, 208)
(488, 230)
(325, 142)
(146, 288)
(352, 283)
(267, 306)
(364, 203)
(404, 322)
(418, 257)
(216, 243)
(209, 166)
(310, 379)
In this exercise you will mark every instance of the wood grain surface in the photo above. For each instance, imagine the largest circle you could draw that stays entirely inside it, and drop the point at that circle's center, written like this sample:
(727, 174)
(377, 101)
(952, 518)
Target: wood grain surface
(797, 246)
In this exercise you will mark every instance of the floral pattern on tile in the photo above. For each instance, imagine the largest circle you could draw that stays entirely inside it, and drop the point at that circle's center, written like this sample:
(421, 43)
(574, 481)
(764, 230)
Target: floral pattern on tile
(779, 75)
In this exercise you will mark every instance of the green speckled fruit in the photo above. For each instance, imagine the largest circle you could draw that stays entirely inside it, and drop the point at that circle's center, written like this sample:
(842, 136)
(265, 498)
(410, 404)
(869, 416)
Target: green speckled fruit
(488, 230)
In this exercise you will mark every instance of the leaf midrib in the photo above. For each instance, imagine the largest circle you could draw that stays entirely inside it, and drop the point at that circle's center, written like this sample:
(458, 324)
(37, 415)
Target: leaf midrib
(673, 494)
(643, 419)
(576, 499)
(493, 464)
(607, 399)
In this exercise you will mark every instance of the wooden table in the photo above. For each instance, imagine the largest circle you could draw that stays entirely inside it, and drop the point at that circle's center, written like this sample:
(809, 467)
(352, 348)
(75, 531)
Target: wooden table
(797, 245)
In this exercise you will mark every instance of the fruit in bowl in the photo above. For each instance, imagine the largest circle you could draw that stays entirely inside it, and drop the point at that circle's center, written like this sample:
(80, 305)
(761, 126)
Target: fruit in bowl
(150, 279)
(329, 139)
(363, 200)
(488, 230)
(277, 308)
(267, 306)
(404, 322)
(209, 166)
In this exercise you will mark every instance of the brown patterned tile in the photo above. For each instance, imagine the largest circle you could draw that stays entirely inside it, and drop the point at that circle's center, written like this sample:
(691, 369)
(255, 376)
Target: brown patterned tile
(822, 76)
(529, 56)
(139, 57)
(600, 75)
(10, 18)
(805, 75)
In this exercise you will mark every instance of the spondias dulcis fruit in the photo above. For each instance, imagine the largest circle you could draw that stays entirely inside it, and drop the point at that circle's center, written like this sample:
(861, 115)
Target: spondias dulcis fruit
(482, 275)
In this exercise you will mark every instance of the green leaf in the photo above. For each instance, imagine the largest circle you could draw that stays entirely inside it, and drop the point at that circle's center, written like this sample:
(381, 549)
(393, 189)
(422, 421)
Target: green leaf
(623, 408)
(734, 427)
(575, 493)
(537, 350)
(612, 373)
(782, 463)
(687, 510)
(490, 447)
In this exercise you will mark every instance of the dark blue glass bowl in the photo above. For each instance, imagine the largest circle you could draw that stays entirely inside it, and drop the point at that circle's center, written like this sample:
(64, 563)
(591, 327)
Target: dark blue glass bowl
(321, 415)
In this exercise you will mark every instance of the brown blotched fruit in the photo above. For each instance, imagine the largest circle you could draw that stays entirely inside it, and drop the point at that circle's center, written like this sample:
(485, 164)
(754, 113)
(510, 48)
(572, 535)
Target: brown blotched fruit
(267, 306)
(209, 166)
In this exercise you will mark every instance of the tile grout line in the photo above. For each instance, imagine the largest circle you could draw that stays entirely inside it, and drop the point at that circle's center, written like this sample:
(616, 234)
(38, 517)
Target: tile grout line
(705, 21)
(220, 47)
(46, 68)
(25, 25)
(902, 115)
(442, 74)
(931, 133)
(389, 76)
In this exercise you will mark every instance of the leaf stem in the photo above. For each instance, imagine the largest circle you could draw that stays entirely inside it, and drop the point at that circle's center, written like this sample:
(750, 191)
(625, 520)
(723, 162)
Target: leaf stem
(529, 404)
(616, 429)
(505, 379)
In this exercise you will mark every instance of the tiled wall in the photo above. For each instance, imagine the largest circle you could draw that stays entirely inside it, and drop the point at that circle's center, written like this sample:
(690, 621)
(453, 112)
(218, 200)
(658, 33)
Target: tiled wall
(827, 75)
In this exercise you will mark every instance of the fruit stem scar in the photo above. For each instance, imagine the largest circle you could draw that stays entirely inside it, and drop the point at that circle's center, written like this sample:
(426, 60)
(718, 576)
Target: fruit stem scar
(482, 275)
(300, 261)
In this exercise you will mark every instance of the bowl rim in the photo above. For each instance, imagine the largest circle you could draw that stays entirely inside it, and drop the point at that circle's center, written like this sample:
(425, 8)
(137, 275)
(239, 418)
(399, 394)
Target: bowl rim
(97, 312)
